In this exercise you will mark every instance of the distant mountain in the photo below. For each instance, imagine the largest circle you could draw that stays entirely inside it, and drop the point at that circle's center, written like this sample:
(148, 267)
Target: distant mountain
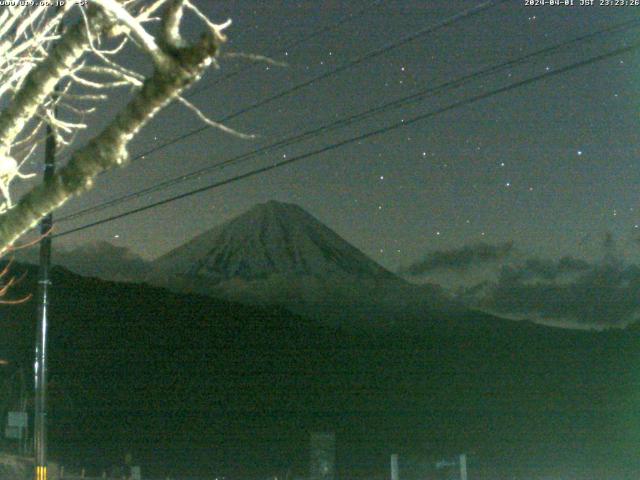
(277, 253)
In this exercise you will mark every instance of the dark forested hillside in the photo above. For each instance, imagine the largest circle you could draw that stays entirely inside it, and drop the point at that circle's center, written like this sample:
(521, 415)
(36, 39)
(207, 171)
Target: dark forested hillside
(210, 386)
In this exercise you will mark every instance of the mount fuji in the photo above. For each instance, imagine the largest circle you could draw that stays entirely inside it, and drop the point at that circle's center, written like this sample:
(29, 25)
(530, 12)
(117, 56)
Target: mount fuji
(270, 238)
(278, 254)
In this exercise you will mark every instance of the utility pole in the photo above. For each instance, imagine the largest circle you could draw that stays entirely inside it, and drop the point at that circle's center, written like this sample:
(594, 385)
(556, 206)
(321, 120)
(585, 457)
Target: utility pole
(44, 282)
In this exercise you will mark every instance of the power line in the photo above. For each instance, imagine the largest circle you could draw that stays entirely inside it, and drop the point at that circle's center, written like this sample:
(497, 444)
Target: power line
(375, 53)
(321, 31)
(361, 137)
(420, 95)
(470, 12)
(345, 19)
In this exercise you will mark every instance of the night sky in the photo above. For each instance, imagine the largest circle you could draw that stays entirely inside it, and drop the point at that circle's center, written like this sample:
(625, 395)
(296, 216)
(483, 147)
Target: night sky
(524, 204)
(551, 166)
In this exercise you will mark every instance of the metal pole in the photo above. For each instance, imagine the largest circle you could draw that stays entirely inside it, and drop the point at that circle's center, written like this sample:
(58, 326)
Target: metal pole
(23, 408)
(44, 283)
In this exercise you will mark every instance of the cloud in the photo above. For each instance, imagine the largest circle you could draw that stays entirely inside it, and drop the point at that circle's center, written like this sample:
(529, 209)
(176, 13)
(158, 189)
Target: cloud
(99, 259)
(570, 290)
(535, 268)
(103, 260)
(459, 259)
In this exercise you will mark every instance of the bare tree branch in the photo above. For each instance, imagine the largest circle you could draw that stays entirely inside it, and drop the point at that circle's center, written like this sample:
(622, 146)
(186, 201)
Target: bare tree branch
(181, 65)
(41, 80)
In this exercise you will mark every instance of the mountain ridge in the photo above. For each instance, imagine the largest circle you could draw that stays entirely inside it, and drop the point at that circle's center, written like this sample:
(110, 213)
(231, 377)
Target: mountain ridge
(277, 253)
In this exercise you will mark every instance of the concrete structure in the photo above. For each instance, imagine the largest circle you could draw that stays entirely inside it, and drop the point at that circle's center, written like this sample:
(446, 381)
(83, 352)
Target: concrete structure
(455, 469)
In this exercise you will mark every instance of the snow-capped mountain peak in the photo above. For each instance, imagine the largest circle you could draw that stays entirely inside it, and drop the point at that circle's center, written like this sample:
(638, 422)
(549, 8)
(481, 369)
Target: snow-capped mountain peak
(270, 238)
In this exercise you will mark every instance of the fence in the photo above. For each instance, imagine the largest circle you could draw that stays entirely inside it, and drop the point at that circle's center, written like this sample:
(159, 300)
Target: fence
(61, 474)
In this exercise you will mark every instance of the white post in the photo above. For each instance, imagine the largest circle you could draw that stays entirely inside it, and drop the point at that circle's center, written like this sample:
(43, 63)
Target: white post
(463, 467)
(395, 469)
